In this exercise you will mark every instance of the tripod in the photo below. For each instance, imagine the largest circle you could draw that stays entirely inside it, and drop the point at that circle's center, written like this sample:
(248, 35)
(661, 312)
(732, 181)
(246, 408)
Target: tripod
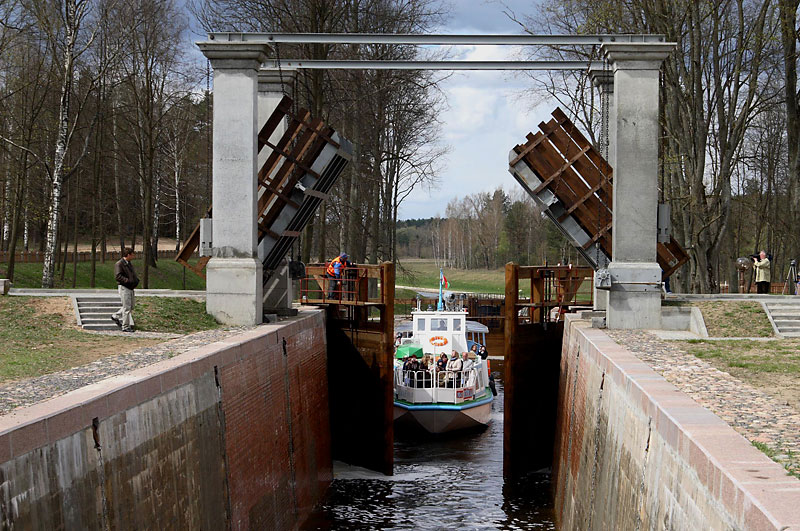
(791, 276)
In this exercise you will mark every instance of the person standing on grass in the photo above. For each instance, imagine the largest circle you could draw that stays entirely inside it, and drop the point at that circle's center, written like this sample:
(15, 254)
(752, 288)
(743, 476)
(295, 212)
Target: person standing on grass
(762, 272)
(127, 282)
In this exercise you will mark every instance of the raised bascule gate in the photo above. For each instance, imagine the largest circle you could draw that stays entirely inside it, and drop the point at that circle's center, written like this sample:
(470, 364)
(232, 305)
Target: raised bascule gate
(572, 184)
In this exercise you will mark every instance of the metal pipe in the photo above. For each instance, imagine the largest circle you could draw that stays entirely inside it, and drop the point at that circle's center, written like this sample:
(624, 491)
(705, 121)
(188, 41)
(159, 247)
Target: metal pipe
(431, 39)
(433, 65)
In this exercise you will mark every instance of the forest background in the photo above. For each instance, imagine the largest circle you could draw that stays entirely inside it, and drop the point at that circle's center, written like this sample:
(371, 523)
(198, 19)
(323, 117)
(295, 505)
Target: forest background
(105, 129)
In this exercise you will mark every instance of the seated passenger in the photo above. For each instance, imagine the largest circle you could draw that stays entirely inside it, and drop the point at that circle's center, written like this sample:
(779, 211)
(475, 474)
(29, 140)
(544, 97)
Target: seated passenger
(453, 369)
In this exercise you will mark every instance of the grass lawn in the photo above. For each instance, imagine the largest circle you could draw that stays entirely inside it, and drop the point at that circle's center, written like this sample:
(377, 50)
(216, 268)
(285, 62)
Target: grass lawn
(423, 273)
(732, 318)
(772, 366)
(171, 314)
(39, 335)
(168, 275)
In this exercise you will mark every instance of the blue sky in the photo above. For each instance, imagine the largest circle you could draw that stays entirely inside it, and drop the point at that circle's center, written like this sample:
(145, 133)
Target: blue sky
(486, 116)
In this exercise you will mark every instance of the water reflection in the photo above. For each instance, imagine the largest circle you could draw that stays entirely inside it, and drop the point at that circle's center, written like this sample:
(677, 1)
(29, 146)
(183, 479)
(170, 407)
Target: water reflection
(448, 482)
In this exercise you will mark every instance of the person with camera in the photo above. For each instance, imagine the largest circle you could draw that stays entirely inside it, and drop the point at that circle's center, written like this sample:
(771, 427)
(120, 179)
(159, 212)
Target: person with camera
(126, 283)
(761, 265)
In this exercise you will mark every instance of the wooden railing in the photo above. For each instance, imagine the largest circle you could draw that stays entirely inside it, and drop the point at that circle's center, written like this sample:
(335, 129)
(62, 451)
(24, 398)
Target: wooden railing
(554, 290)
(360, 285)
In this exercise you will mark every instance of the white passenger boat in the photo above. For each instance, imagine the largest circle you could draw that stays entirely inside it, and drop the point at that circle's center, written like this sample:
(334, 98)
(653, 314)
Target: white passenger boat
(442, 401)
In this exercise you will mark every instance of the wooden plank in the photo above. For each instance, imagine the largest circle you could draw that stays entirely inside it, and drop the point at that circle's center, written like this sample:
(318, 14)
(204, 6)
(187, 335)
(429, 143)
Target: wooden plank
(582, 165)
(284, 106)
(268, 187)
(602, 165)
(597, 236)
(301, 147)
(567, 165)
(542, 161)
(289, 156)
(586, 196)
(530, 146)
(293, 129)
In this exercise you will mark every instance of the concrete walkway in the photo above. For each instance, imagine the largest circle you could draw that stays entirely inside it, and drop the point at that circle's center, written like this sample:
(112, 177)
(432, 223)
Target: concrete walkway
(42, 292)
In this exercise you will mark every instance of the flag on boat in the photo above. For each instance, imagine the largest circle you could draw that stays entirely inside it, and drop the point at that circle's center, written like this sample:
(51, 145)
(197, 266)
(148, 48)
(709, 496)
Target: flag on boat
(443, 280)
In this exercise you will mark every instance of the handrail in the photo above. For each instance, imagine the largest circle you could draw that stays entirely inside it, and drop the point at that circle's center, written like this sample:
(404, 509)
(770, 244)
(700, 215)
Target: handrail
(438, 381)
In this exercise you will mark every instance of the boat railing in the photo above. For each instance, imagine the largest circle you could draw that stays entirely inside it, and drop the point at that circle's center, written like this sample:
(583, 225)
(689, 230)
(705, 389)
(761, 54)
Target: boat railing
(427, 386)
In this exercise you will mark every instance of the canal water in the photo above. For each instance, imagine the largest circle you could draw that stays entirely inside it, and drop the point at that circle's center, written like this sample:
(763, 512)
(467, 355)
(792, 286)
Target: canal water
(440, 483)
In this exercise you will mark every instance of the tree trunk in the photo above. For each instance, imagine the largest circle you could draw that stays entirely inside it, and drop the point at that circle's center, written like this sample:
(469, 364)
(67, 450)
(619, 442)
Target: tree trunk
(54, 211)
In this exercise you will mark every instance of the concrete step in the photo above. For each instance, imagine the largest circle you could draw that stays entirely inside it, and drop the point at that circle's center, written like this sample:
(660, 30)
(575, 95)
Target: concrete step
(95, 315)
(102, 309)
(112, 326)
(786, 322)
(785, 329)
(96, 299)
(791, 334)
(785, 314)
(98, 320)
(783, 306)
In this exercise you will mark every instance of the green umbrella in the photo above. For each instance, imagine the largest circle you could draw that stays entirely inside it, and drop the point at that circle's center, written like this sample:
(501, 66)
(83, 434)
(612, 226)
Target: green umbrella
(408, 350)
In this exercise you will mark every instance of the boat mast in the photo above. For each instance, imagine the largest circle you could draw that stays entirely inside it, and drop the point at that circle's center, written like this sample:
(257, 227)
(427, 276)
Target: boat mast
(440, 306)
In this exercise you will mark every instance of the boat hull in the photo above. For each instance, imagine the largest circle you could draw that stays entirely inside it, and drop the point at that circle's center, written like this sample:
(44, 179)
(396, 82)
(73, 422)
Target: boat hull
(443, 418)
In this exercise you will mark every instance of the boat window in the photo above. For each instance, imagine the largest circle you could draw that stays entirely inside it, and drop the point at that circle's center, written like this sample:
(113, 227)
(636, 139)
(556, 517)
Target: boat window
(421, 324)
(438, 325)
(457, 325)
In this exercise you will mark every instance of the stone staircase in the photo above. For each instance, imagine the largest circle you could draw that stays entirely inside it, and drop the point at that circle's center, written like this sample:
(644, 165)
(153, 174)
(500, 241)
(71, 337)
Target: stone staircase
(94, 313)
(786, 315)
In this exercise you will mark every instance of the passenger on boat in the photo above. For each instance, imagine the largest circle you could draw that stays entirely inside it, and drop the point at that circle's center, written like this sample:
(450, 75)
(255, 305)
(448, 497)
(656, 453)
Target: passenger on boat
(467, 364)
(483, 353)
(425, 367)
(453, 368)
(474, 349)
(441, 368)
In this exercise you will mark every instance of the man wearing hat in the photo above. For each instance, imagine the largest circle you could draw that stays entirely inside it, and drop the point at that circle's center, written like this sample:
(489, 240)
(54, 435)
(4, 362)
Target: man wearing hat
(335, 271)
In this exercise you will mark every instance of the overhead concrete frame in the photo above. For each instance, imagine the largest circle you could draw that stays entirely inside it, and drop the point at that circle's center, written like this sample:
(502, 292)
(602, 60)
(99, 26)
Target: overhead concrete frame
(234, 279)
(634, 301)
(234, 284)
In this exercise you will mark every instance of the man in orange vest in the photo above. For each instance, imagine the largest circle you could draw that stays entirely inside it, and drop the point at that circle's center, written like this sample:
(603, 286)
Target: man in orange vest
(335, 271)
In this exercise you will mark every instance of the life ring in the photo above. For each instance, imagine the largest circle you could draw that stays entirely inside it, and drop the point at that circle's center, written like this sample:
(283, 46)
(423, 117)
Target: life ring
(438, 341)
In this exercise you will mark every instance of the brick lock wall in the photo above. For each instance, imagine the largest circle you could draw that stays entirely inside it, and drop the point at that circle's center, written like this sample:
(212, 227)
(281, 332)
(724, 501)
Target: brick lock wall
(275, 406)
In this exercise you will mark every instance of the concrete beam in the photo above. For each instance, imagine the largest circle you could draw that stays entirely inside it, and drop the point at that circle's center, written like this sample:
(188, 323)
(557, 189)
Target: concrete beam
(635, 298)
(234, 273)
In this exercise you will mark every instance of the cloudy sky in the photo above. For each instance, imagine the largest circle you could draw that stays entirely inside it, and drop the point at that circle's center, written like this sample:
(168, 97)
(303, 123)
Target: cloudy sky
(485, 117)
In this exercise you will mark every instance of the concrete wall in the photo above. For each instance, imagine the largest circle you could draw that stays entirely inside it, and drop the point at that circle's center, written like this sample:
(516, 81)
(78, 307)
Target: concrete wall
(232, 435)
(633, 452)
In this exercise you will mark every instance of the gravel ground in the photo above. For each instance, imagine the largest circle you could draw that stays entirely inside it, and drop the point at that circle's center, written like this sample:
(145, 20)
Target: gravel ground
(754, 414)
(32, 390)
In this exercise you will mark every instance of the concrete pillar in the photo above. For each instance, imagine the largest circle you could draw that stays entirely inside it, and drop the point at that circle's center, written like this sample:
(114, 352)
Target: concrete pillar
(234, 284)
(603, 79)
(635, 298)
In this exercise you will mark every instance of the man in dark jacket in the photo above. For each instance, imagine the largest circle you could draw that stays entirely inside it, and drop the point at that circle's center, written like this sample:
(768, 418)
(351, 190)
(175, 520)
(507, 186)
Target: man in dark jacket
(127, 282)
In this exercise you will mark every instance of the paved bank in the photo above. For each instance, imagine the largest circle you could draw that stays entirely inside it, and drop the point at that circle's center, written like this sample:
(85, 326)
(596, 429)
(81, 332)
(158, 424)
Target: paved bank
(754, 414)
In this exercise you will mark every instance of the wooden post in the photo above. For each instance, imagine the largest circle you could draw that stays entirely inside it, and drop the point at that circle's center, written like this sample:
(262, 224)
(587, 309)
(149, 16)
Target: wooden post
(512, 292)
(537, 296)
(387, 372)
